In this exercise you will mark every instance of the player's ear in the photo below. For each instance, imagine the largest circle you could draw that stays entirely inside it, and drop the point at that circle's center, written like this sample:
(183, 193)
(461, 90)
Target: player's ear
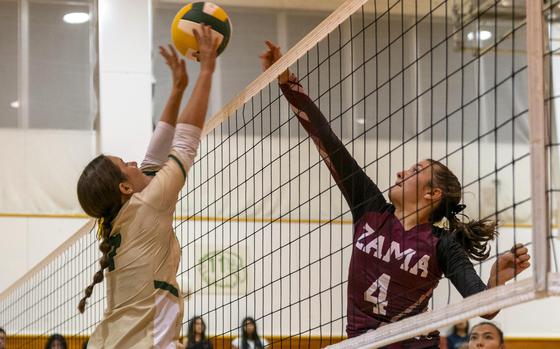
(433, 194)
(126, 188)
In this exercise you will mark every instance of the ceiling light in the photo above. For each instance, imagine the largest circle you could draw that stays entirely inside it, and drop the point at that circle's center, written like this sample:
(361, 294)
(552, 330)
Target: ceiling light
(507, 3)
(14, 104)
(76, 17)
(360, 121)
(483, 35)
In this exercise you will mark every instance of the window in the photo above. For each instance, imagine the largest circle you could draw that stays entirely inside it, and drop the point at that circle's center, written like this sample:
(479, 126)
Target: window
(46, 65)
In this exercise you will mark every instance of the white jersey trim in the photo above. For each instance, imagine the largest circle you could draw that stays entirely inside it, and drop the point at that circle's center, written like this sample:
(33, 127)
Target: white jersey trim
(167, 311)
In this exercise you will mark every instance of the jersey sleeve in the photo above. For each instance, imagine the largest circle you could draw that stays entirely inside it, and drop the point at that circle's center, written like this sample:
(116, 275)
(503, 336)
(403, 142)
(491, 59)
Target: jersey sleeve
(457, 267)
(358, 189)
(164, 188)
(158, 149)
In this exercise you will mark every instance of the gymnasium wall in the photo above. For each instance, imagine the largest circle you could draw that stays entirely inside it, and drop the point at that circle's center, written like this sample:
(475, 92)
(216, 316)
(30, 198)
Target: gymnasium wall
(267, 268)
(26, 241)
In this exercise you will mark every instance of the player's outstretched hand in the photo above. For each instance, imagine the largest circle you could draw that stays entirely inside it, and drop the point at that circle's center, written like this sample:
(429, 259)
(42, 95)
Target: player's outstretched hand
(270, 56)
(177, 66)
(207, 47)
(509, 265)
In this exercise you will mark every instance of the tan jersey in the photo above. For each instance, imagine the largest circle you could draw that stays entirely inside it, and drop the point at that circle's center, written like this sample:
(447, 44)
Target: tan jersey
(144, 303)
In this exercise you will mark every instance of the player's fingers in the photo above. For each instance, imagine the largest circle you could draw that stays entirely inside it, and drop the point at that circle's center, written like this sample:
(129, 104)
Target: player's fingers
(163, 52)
(521, 251)
(173, 52)
(265, 55)
(206, 31)
(271, 45)
(525, 265)
(196, 35)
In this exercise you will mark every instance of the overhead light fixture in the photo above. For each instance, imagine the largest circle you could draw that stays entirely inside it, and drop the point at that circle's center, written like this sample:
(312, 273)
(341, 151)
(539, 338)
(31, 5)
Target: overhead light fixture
(76, 17)
(14, 104)
(507, 3)
(483, 35)
(360, 121)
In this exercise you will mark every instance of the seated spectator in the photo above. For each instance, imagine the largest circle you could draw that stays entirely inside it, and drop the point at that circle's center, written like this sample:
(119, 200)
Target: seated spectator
(459, 336)
(56, 341)
(249, 336)
(196, 334)
(2, 338)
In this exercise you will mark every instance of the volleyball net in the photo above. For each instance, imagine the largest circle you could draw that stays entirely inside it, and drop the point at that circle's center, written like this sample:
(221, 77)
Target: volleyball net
(264, 230)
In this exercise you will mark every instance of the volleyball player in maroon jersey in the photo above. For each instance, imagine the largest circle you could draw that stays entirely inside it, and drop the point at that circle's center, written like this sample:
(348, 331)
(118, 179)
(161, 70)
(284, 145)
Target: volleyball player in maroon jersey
(398, 253)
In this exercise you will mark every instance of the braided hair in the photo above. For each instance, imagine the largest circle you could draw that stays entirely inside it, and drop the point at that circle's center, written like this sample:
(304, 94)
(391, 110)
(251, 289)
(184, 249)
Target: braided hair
(100, 197)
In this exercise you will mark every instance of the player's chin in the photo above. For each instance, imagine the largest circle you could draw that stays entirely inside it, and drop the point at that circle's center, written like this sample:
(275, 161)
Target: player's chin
(394, 193)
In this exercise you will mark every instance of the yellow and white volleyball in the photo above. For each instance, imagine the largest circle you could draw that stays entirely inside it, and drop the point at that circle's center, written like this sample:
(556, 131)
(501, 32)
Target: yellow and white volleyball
(191, 17)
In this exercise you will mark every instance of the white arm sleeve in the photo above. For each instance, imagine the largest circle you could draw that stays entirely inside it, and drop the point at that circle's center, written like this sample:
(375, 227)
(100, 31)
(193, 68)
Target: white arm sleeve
(163, 190)
(186, 141)
(159, 147)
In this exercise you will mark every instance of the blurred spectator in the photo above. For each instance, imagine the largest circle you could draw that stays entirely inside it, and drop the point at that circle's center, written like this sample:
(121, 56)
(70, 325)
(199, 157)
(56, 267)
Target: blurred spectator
(196, 334)
(2, 338)
(249, 336)
(56, 341)
(459, 335)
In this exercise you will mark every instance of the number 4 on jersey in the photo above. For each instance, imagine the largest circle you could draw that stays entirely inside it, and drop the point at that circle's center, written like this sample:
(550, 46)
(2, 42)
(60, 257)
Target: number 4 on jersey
(379, 302)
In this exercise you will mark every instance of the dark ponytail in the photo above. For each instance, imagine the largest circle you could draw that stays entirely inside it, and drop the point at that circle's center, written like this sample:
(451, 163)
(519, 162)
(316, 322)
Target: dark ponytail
(100, 197)
(473, 235)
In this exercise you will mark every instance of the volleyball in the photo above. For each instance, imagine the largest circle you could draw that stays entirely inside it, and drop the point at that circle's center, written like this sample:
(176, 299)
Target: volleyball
(191, 17)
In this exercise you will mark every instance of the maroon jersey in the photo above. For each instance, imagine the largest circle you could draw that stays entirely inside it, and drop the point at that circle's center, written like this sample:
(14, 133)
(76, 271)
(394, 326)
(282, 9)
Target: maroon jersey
(392, 272)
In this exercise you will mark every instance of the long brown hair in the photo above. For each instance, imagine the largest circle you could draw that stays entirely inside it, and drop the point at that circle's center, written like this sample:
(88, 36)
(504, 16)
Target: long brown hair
(473, 235)
(100, 197)
(246, 336)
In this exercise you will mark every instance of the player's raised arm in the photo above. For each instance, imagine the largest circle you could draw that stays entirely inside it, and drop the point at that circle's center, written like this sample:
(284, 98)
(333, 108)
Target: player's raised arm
(162, 192)
(160, 143)
(358, 189)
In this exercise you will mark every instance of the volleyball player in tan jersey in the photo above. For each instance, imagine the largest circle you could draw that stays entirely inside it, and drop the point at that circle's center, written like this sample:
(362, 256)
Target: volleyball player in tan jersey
(140, 250)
